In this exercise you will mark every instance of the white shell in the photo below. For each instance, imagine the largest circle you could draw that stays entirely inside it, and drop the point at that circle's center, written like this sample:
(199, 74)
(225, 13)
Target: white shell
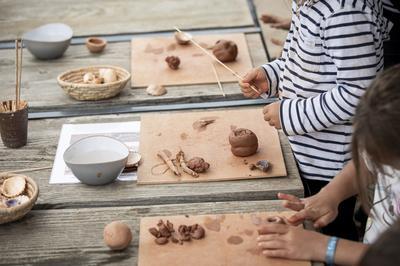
(13, 186)
(16, 201)
(88, 77)
(109, 75)
(156, 90)
(133, 159)
(182, 37)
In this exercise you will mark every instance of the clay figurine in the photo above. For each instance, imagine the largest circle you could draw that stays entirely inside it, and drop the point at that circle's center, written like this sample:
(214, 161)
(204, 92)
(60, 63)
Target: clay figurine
(243, 142)
(225, 51)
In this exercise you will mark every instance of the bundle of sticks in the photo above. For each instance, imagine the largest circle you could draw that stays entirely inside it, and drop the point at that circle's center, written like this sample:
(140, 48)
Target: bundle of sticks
(13, 106)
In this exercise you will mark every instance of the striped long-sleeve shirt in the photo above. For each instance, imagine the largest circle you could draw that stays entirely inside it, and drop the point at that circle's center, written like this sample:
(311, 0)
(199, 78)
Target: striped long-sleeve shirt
(332, 52)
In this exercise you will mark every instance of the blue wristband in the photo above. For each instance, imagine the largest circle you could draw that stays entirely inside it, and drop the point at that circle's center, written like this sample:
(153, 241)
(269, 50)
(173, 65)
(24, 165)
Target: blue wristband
(330, 251)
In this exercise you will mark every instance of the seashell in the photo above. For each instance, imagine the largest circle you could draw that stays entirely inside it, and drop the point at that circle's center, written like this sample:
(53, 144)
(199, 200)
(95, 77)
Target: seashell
(133, 159)
(156, 90)
(16, 201)
(108, 75)
(182, 37)
(88, 77)
(13, 186)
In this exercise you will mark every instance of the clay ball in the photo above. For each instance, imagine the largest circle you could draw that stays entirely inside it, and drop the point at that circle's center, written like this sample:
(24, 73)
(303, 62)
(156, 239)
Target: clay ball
(243, 142)
(225, 51)
(198, 165)
(173, 62)
(117, 235)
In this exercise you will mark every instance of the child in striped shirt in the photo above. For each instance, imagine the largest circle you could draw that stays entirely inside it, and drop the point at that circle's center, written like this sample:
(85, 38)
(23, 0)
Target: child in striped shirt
(375, 163)
(332, 52)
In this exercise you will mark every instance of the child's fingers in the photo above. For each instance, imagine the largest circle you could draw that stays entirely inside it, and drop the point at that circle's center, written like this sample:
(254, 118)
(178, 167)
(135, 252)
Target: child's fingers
(295, 206)
(273, 228)
(323, 221)
(268, 237)
(265, 109)
(288, 197)
(248, 78)
(275, 253)
(274, 244)
(299, 216)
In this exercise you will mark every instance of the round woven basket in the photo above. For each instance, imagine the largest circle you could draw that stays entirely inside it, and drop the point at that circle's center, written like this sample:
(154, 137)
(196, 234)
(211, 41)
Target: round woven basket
(14, 213)
(72, 83)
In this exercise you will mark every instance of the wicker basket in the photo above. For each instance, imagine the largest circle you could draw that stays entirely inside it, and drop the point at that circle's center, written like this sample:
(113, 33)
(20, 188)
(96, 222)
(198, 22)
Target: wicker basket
(72, 83)
(12, 214)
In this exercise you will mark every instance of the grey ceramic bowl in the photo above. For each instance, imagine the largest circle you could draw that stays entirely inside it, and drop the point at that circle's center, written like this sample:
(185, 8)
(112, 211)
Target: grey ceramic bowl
(96, 160)
(49, 41)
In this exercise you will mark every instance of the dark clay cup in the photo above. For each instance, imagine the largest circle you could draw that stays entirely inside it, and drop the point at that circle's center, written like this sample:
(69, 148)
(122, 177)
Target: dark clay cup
(14, 127)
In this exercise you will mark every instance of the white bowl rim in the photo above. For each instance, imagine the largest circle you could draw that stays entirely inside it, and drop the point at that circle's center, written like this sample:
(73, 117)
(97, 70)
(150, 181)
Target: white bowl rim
(82, 139)
(65, 26)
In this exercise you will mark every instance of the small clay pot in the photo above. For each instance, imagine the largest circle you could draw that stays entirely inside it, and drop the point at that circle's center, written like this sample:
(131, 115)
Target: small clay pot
(96, 45)
(243, 142)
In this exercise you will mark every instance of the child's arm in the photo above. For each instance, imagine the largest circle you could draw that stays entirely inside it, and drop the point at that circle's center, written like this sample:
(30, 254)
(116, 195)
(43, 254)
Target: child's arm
(272, 69)
(322, 208)
(348, 40)
(290, 242)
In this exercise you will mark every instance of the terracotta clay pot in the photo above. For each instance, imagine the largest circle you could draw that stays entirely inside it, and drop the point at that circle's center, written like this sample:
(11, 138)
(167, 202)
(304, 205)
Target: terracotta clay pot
(243, 142)
(96, 45)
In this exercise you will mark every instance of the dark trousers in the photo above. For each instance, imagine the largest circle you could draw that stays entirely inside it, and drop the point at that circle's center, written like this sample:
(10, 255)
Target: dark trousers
(391, 48)
(343, 226)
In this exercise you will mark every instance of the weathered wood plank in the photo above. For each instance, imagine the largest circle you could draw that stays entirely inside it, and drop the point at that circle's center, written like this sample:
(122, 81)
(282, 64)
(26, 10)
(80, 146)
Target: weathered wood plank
(40, 88)
(41, 148)
(75, 236)
(273, 37)
(92, 17)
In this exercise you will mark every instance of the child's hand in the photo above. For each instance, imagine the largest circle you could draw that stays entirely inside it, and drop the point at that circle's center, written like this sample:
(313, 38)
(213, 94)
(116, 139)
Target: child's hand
(320, 209)
(256, 77)
(290, 242)
(276, 22)
(271, 114)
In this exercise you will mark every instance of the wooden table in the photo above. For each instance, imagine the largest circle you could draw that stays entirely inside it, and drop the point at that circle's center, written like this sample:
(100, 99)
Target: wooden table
(40, 88)
(40, 152)
(65, 226)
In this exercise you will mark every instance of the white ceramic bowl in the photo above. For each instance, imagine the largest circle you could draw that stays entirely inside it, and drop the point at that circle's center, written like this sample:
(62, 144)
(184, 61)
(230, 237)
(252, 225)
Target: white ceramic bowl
(49, 41)
(96, 160)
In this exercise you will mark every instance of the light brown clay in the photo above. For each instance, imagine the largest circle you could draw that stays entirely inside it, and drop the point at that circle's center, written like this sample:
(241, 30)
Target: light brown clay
(161, 240)
(173, 62)
(96, 45)
(180, 158)
(117, 235)
(13, 186)
(167, 232)
(202, 123)
(225, 51)
(235, 240)
(167, 159)
(243, 142)
(156, 90)
(198, 165)
(182, 38)
(197, 232)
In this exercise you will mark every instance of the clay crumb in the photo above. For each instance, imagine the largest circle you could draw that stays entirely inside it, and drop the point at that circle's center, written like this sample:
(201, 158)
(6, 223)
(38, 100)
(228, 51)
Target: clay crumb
(212, 224)
(202, 123)
(183, 136)
(235, 240)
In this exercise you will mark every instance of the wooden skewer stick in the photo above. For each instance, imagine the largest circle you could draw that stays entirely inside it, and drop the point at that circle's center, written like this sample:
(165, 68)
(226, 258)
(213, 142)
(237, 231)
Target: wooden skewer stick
(217, 77)
(16, 71)
(20, 75)
(216, 59)
(29, 170)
